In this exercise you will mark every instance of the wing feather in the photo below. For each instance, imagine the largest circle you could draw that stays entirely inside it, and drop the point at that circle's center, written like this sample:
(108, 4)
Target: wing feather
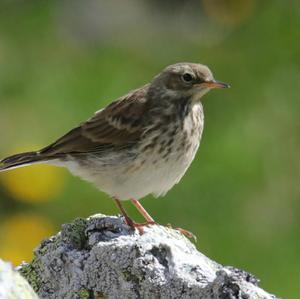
(117, 126)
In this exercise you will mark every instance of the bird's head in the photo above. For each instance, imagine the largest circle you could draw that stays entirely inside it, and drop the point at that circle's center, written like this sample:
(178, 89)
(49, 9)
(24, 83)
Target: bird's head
(186, 80)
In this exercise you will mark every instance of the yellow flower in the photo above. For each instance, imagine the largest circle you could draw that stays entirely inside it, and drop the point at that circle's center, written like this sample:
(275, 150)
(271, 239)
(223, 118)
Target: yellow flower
(34, 183)
(20, 234)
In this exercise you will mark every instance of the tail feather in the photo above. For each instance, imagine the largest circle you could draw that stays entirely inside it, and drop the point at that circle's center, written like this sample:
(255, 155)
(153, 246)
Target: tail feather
(19, 160)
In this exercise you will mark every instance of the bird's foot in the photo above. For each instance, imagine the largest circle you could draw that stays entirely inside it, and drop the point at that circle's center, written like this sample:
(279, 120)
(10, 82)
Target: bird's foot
(184, 232)
(148, 223)
(138, 226)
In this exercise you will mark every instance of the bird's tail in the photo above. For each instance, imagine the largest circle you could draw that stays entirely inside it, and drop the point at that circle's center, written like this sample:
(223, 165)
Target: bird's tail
(20, 160)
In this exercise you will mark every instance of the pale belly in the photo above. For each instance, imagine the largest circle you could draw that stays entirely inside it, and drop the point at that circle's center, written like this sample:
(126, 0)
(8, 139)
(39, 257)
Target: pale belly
(155, 176)
(154, 171)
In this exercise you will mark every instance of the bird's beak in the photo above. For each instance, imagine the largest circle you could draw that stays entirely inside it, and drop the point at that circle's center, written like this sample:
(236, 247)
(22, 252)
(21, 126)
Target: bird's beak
(215, 84)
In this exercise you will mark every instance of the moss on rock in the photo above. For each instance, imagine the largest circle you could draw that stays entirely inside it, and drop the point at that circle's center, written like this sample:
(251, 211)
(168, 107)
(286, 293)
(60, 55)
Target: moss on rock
(74, 233)
(30, 274)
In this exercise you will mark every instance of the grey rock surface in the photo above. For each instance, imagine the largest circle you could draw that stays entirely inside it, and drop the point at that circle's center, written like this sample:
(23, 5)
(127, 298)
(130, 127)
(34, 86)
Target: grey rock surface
(101, 257)
(13, 285)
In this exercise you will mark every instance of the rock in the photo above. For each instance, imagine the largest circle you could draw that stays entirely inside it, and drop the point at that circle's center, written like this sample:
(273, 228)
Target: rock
(13, 285)
(101, 257)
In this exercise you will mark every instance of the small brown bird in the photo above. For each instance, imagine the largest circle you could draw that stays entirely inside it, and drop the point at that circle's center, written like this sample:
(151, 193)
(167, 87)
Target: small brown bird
(140, 144)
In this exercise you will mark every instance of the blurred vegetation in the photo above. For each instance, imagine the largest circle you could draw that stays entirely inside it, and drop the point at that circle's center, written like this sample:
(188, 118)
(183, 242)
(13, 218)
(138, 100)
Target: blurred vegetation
(62, 60)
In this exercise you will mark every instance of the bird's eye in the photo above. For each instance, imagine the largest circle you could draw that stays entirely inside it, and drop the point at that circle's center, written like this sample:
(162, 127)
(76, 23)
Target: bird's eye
(187, 78)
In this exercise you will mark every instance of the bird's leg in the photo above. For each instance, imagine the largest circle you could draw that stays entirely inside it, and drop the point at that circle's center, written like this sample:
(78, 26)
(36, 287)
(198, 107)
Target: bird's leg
(141, 209)
(128, 220)
(150, 220)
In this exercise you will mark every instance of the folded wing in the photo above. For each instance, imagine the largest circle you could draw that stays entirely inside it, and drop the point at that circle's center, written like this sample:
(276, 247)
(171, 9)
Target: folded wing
(118, 125)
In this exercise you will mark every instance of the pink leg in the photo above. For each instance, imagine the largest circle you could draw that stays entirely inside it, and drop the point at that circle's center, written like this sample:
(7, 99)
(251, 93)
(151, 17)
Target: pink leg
(128, 220)
(142, 210)
(149, 219)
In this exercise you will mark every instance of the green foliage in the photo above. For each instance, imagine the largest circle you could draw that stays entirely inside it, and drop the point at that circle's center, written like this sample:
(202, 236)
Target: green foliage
(241, 195)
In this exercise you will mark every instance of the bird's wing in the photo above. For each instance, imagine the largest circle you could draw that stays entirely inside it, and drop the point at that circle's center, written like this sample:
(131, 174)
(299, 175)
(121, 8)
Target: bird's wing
(116, 126)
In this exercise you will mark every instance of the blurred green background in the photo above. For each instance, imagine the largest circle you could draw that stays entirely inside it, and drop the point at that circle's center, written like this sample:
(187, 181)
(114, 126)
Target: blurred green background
(62, 60)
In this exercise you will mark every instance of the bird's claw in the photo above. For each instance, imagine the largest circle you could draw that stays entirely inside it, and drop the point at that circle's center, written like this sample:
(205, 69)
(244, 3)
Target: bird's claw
(138, 226)
(184, 232)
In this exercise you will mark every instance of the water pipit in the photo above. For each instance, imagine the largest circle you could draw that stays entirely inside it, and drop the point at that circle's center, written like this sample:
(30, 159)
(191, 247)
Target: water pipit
(140, 144)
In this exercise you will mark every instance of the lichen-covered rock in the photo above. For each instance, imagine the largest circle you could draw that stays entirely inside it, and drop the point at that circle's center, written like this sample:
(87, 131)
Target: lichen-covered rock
(101, 257)
(13, 285)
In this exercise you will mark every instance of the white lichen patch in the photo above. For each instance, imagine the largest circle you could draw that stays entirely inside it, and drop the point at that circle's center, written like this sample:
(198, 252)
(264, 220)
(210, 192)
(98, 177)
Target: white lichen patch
(101, 257)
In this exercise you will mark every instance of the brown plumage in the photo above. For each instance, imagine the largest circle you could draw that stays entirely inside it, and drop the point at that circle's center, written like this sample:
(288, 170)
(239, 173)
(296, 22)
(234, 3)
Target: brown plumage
(141, 143)
(117, 125)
